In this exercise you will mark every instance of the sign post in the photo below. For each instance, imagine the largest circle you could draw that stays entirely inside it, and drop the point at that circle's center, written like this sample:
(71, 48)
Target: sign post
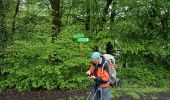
(80, 38)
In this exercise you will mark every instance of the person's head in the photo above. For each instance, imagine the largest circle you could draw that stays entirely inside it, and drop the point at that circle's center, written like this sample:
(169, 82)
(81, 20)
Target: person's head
(95, 57)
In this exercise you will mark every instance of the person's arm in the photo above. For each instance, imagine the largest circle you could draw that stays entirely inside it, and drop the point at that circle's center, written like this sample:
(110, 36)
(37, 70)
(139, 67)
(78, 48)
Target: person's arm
(103, 78)
(90, 71)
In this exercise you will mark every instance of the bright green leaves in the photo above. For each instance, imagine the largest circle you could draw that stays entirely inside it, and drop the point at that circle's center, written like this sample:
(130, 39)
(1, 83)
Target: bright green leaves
(142, 76)
(132, 47)
(62, 65)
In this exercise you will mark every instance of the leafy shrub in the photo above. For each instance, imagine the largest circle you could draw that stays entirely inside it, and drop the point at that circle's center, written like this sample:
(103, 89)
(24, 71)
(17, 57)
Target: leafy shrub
(137, 75)
(144, 76)
(28, 64)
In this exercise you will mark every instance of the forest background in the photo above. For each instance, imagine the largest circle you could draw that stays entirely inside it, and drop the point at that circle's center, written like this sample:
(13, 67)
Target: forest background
(38, 48)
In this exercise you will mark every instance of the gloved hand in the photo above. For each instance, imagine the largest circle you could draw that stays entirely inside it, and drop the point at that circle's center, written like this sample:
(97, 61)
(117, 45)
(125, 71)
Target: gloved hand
(92, 77)
(88, 73)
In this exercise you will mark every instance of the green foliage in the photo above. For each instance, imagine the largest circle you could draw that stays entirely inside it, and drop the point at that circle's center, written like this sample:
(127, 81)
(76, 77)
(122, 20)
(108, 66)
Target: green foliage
(137, 92)
(45, 65)
(142, 76)
(140, 34)
(73, 58)
(25, 67)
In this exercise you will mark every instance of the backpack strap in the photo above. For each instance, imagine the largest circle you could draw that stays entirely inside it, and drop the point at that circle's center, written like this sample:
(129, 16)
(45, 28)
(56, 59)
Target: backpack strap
(95, 70)
(104, 66)
(98, 65)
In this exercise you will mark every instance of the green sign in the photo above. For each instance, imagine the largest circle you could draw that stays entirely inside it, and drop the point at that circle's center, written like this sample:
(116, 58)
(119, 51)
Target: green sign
(80, 38)
(83, 39)
(76, 36)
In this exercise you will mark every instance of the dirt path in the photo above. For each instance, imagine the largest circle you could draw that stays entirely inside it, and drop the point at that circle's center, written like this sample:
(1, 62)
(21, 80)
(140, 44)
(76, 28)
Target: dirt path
(11, 94)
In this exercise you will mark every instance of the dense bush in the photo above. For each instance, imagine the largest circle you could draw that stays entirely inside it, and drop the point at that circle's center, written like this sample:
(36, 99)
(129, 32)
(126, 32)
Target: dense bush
(61, 65)
(138, 30)
(142, 76)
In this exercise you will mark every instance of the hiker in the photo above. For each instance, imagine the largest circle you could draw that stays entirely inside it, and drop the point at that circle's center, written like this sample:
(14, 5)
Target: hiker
(98, 73)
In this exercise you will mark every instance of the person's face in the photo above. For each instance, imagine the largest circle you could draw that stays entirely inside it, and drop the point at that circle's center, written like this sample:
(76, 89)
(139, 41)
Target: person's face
(95, 61)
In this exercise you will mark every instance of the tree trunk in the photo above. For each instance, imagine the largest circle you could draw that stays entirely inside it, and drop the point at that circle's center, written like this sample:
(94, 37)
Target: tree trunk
(105, 12)
(14, 17)
(109, 2)
(109, 48)
(3, 28)
(113, 14)
(87, 22)
(55, 5)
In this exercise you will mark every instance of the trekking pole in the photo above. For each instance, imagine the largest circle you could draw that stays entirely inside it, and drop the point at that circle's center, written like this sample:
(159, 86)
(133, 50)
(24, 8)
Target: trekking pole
(90, 94)
(94, 94)
(101, 94)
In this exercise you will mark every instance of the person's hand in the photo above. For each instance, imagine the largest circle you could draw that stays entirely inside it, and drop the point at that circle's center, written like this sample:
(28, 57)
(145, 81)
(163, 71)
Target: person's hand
(92, 77)
(88, 72)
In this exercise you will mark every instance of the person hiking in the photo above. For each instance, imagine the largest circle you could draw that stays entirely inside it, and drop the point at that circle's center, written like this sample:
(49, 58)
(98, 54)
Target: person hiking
(98, 72)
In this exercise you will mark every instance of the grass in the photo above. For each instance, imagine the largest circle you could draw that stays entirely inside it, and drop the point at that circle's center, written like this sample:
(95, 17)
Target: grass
(136, 92)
